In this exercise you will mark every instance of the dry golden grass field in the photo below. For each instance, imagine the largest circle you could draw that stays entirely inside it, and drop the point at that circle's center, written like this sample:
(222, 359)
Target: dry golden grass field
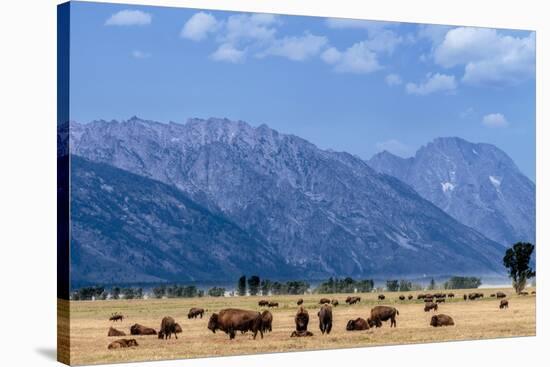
(479, 319)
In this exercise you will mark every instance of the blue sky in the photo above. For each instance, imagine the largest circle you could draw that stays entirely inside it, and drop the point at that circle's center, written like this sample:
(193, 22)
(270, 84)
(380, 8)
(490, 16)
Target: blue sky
(348, 85)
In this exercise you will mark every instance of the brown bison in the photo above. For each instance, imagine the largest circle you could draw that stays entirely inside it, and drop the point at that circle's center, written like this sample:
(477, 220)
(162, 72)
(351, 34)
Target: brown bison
(357, 324)
(523, 293)
(231, 320)
(325, 319)
(299, 302)
(353, 300)
(273, 304)
(421, 296)
(402, 297)
(301, 319)
(115, 332)
(267, 320)
(334, 302)
(501, 295)
(503, 304)
(138, 329)
(451, 295)
(410, 297)
(263, 303)
(492, 295)
(123, 343)
(381, 297)
(178, 328)
(298, 334)
(440, 300)
(430, 306)
(441, 320)
(382, 313)
(465, 297)
(195, 312)
(116, 317)
(533, 292)
(167, 328)
(322, 301)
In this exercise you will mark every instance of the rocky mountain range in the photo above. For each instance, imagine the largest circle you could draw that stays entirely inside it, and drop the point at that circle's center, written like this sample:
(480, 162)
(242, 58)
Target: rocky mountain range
(477, 184)
(271, 203)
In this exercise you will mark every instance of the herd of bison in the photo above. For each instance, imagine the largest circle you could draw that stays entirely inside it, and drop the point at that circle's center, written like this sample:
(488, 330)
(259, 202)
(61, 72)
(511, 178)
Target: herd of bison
(232, 320)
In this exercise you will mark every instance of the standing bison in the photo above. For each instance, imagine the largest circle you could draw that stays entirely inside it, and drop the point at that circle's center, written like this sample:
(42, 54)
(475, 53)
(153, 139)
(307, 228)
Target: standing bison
(501, 295)
(116, 317)
(273, 304)
(263, 303)
(231, 320)
(441, 320)
(195, 312)
(267, 320)
(357, 324)
(334, 302)
(430, 306)
(325, 319)
(353, 300)
(503, 304)
(167, 328)
(301, 319)
(383, 313)
(381, 297)
(300, 301)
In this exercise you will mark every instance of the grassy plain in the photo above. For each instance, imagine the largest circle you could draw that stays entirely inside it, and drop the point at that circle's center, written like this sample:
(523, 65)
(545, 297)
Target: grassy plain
(479, 319)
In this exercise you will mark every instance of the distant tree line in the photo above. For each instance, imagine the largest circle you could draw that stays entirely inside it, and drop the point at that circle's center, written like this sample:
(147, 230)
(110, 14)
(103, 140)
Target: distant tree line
(177, 291)
(94, 293)
(254, 286)
(345, 285)
(462, 283)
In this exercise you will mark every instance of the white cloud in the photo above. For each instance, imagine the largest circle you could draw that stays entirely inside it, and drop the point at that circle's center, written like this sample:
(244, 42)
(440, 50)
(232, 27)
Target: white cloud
(394, 146)
(495, 120)
(227, 52)
(199, 26)
(368, 25)
(384, 41)
(488, 57)
(393, 79)
(296, 48)
(244, 27)
(140, 54)
(359, 59)
(129, 17)
(434, 83)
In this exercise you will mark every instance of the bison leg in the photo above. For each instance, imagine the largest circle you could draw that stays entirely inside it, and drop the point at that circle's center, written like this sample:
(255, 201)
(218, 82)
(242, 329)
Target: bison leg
(231, 334)
(329, 328)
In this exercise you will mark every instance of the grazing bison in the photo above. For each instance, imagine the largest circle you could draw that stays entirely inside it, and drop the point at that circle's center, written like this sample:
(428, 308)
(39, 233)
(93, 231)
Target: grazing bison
(402, 297)
(195, 312)
(441, 320)
(123, 343)
(421, 296)
(322, 301)
(267, 320)
(263, 303)
(301, 319)
(440, 300)
(115, 332)
(451, 295)
(116, 317)
(298, 334)
(410, 297)
(357, 324)
(273, 304)
(334, 302)
(299, 302)
(382, 313)
(325, 319)
(381, 297)
(231, 320)
(430, 306)
(353, 300)
(492, 295)
(503, 304)
(167, 328)
(138, 329)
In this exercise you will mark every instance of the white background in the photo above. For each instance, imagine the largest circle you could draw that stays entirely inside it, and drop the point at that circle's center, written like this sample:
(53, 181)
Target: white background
(28, 181)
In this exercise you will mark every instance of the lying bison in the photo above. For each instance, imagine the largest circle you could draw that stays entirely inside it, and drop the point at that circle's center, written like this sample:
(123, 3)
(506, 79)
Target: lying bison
(503, 304)
(401, 297)
(322, 301)
(325, 319)
(357, 324)
(299, 302)
(267, 320)
(263, 303)
(382, 313)
(138, 329)
(116, 317)
(195, 312)
(441, 320)
(298, 334)
(381, 297)
(301, 319)
(167, 328)
(115, 332)
(231, 320)
(501, 295)
(430, 306)
(123, 343)
(410, 297)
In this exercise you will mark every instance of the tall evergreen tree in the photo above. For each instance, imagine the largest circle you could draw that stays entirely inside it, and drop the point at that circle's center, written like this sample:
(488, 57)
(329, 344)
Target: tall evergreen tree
(516, 260)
